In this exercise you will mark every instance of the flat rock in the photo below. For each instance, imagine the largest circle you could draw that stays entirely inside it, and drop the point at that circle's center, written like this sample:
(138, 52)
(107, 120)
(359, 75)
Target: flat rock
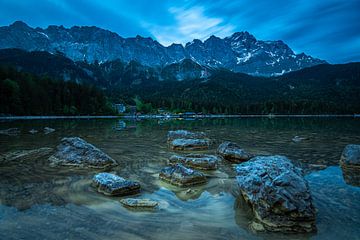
(233, 153)
(181, 176)
(350, 164)
(278, 193)
(190, 144)
(75, 151)
(113, 185)
(198, 161)
(139, 203)
(185, 134)
(10, 131)
(24, 155)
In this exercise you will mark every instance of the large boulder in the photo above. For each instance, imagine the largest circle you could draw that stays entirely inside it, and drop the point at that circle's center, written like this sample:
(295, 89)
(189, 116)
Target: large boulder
(183, 144)
(233, 153)
(75, 151)
(278, 194)
(350, 164)
(25, 155)
(198, 161)
(181, 176)
(113, 185)
(185, 134)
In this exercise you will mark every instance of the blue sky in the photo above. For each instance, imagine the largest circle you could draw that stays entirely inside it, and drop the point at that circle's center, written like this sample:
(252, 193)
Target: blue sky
(328, 29)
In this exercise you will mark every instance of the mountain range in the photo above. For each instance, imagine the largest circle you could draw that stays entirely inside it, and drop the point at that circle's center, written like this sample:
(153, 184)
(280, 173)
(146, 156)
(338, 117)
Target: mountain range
(240, 52)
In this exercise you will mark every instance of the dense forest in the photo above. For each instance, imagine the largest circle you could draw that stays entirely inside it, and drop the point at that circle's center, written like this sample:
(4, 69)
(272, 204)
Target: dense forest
(227, 92)
(27, 94)
(179, 87)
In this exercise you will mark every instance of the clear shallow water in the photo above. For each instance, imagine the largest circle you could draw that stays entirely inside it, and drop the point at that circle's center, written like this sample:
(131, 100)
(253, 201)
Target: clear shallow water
(40, 202)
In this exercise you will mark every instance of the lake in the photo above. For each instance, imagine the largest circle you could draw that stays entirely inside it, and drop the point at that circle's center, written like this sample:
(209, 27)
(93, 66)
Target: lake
(42, 202)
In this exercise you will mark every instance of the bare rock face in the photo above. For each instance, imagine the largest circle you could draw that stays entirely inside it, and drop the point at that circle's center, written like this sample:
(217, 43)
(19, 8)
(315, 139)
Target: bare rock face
(278, 193)
(136, 203)
(113, 185)
(181, 176)
(233, 153)
(24, 155)
(198, 161)
(75, 151)
(183, 144)
(350, 164)
(184, 134)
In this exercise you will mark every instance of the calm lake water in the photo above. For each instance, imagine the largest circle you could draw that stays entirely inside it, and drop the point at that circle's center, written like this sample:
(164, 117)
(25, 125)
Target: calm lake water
(42, 202)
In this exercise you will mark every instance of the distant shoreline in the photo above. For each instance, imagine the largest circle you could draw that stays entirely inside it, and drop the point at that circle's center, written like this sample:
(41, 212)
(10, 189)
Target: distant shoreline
(155, 116)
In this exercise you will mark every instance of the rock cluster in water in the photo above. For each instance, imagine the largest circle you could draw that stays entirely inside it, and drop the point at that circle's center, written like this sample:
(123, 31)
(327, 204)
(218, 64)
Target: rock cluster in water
(350, 164)
(272, 185)
(232, 152)
(180, 173)
(278, 193)
(196, 160)
(75, 151)
(113, 185)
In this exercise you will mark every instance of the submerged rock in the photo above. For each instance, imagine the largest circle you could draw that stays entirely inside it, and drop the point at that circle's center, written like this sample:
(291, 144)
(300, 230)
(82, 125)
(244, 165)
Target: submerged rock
(10, 131)
(182, 176)
(48, 130)
(113, 185)
(199, 161)
(139, 203)
(232, 152)
(24, 155)
(190, 144)
(75, 151)
(350, 164)
(33, 131)
(185, 135)
(278, 193)
(297, 139)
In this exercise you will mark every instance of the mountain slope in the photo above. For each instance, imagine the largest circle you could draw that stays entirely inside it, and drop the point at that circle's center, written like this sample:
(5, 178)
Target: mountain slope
(189, 86)
(240, 52)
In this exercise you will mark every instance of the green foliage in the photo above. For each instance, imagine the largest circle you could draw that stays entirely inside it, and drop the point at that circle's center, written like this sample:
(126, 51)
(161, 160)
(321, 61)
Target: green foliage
(25, 94)
(143, 107)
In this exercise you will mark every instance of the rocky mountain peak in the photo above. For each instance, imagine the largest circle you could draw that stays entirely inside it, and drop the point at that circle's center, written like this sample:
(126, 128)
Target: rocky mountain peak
(240, 52)
(19, 25)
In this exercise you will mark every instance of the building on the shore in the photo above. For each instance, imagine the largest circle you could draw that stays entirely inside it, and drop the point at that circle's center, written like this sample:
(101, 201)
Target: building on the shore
(120, 108)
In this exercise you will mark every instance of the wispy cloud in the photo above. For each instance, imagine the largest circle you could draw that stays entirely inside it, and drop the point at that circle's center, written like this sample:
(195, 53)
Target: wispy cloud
(190, 23)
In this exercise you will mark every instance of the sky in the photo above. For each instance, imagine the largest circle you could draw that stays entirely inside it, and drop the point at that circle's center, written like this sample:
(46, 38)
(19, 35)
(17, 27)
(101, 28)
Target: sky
(327, 29)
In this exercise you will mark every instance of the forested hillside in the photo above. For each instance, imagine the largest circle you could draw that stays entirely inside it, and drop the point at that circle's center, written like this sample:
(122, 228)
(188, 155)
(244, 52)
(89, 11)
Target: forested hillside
(27, 94)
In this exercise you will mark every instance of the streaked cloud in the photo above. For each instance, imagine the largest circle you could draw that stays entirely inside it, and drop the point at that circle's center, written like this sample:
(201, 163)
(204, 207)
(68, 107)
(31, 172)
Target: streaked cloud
(190, 23)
